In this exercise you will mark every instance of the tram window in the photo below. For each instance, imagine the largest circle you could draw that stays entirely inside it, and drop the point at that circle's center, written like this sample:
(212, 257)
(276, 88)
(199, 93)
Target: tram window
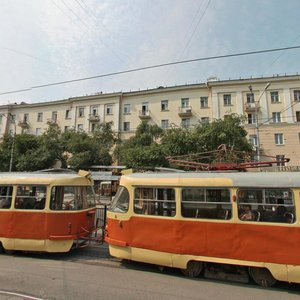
(155, 201)
(266, 205)
(121, 201)
(72, 198)
(5, 196)
(206, 203)
(30, 197)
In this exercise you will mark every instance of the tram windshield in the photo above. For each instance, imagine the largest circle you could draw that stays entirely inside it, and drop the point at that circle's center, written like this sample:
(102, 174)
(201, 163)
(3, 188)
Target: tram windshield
(121, 201)
(72, 197)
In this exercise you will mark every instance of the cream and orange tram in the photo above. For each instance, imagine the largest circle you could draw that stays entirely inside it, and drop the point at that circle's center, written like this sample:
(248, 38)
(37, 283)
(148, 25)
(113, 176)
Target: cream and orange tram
(48, 212)
(246, 222)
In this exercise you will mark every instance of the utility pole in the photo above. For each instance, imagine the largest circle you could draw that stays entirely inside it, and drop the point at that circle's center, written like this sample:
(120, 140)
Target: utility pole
(256, 119)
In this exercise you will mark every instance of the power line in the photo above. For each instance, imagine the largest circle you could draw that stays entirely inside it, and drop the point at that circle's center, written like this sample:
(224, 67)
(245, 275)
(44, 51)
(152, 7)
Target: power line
(155, 67)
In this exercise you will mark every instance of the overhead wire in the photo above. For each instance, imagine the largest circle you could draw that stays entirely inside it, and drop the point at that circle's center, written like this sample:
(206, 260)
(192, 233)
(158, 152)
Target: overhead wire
(156, 66)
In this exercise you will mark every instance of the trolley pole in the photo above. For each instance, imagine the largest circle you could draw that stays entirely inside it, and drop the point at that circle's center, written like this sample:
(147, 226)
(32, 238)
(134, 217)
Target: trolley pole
(256, 119)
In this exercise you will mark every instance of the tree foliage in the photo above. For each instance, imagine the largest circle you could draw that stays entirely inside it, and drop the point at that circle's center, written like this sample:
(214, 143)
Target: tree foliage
(149, 147)
(75, 149)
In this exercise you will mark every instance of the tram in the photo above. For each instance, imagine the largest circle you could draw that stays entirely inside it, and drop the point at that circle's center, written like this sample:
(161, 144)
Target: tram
(200, 222)
(46, 212)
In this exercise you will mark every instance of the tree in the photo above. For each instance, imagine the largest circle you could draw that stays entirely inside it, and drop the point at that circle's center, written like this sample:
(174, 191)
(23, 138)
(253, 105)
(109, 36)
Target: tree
(143, 149)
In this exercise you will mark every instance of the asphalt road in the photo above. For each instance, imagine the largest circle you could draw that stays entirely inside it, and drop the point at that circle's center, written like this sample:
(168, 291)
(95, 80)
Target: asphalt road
(93, 274)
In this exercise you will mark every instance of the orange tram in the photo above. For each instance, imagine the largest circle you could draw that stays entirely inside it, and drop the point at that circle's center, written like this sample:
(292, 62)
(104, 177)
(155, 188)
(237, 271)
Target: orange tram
(244, 224)
(47, 212)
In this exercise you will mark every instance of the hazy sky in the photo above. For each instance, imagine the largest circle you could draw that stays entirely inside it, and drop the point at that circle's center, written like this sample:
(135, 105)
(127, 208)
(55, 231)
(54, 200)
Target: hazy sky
(47, 41)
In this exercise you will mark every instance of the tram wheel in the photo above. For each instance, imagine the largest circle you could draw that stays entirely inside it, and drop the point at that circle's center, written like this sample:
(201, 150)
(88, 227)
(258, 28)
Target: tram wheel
(193, 269)
(262, 276)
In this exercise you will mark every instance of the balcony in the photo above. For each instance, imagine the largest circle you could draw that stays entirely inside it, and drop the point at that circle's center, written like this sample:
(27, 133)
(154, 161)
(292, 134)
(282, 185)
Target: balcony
(144, 114)
(52, 122)
(251, 106)
(24, 123)
(185, 112)
(94, 118)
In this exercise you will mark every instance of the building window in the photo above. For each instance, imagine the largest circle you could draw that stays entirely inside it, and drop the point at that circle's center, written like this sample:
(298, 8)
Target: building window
(297, 116)
(68, 114)
(280, 160)
(164, 105)
(253, 140)
(38, 131)
(67, 128)
(80, 127)
(94, 110)
(26, 118)
(93, 127)
(54, 116)
(203, 102)
(274, 97)
(297, 95)
(205, 120)
(185, 123)
(227, 99)
(40, 117)
(278, 138)
(250, 97)
(81, 112)
(126, 126)
(164, 124)
(251, 118)
(185, 102)
(127, 109)
(13, 119)
(109, 109)
(276, 117)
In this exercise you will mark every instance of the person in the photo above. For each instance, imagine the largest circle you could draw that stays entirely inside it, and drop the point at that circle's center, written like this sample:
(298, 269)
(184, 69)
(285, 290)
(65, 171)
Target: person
(280, 214)
(247, 214)
(4, 203)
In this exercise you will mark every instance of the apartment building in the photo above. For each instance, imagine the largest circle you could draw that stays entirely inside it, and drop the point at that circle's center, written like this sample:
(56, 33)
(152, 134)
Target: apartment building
(271, 107)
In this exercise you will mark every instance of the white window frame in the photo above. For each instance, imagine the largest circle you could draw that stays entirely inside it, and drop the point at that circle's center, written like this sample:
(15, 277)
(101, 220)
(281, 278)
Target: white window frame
(185, 102)
(279, 139)
(81, 112)
(165, 124)
(126, 126)
(185, 123)
(203, 102)
(205, 120)
(276, 117)
(251, 118)
(39, 117)
(164, 105)
(127, 108)
(109, 109)
(227, 99)
(296, 95)
(274, 97)
(250, 98)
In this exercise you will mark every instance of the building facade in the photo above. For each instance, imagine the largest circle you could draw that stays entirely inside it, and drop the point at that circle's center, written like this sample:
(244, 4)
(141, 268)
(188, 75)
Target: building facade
(271, 107)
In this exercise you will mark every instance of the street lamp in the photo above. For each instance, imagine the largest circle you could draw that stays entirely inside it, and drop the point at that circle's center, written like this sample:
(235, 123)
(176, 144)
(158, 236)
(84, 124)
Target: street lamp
(256, 119)
(11, 121)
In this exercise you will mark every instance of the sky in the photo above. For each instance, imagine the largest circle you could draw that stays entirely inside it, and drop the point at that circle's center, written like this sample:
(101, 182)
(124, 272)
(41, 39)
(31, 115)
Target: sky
(50, 41)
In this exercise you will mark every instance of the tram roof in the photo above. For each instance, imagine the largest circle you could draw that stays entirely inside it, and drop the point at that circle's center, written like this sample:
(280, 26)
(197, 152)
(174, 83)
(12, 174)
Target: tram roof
(41, 178)
(241, 179)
